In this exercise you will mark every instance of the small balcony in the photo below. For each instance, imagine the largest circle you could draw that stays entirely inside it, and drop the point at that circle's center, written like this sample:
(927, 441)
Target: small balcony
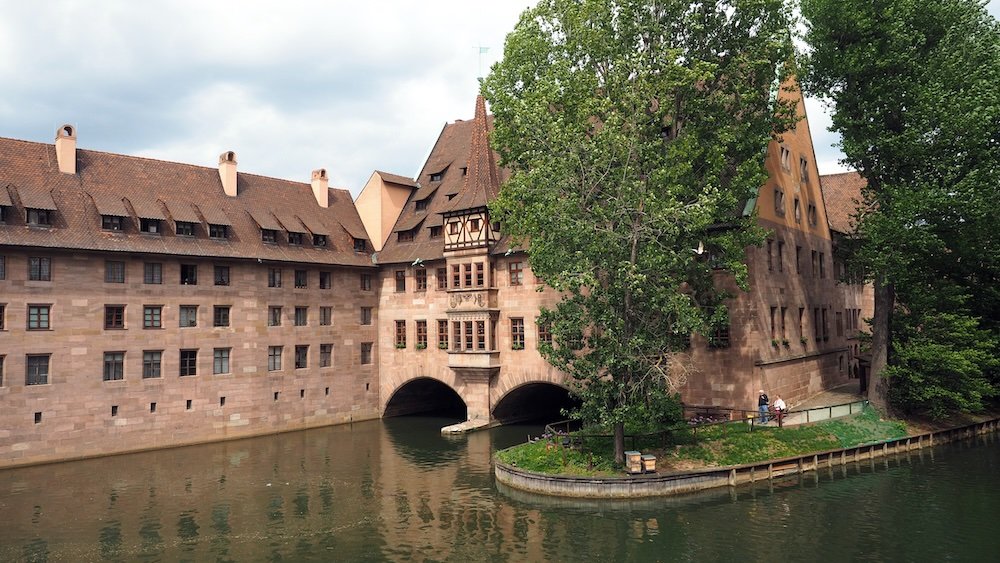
(474, 360)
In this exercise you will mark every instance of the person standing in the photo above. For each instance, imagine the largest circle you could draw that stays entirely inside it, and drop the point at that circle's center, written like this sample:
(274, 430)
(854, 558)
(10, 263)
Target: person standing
(779, 409)
(762, 404)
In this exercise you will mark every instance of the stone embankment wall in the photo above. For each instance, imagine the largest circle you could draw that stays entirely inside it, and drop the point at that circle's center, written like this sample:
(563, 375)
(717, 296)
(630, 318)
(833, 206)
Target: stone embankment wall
(686, 482)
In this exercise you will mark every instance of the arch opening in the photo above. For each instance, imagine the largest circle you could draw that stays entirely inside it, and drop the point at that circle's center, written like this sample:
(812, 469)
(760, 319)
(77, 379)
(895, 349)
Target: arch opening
(534, 402)
(425, 396)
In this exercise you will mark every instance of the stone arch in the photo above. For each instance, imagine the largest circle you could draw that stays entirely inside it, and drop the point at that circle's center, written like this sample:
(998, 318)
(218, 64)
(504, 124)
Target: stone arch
(422, 394)
(533, 400)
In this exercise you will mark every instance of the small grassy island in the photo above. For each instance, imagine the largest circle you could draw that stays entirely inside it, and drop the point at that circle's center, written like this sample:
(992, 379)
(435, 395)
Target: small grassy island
(589, 452)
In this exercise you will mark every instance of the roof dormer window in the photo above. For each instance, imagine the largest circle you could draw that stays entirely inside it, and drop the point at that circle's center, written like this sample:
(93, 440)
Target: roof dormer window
(151, 226)
(269, 236)
(437, 176)
(404, 236)
(185, 229)
(3, 214)
(220, 232)
(437, 231)
(39, 217)
(360, 245)
(295, 239)
(319, 240)
(421, 205)
(112, 223)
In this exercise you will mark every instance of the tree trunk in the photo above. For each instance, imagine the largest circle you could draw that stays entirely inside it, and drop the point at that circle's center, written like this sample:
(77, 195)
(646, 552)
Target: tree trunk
(620, 443)
(878, 386)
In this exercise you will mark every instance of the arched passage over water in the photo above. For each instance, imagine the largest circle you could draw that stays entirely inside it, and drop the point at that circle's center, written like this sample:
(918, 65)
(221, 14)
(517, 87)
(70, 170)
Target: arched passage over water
(534, 402)
(425, 396)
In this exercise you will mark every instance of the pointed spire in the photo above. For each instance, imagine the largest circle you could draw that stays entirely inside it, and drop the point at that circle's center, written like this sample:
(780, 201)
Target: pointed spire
(482, 181)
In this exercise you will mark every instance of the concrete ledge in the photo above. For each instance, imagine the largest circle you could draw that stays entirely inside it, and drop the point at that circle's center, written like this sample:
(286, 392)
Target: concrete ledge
(665, 484)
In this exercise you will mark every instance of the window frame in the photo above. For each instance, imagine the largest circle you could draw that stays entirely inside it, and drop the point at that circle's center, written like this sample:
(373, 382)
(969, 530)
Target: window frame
(114, 317)
(188, 365)
(114, 366)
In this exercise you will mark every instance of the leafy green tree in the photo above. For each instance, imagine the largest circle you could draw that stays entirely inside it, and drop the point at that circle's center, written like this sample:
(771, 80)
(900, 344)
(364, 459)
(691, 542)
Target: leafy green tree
(636, 131)
(913, 87)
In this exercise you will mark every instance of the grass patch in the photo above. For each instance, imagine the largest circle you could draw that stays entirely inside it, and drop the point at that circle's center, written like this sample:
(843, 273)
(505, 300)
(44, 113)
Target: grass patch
(691, 448)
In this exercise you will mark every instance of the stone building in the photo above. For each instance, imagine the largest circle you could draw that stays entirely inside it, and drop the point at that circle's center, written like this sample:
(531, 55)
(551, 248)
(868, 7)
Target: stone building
(147, 304)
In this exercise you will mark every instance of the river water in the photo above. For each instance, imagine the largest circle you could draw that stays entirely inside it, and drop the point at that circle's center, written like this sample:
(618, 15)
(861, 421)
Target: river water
(396, 490)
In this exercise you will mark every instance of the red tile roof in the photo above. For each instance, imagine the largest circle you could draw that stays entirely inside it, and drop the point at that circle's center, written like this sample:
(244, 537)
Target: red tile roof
(842, 198)
(482, 182)
(450, 155)
(155, 189)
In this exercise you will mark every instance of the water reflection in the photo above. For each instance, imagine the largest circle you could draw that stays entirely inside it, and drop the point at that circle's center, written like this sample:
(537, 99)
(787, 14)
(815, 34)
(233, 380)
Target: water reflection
(398, 490)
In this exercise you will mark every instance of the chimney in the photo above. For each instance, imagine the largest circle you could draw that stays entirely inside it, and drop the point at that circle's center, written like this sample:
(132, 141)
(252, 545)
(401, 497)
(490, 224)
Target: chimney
(66, 149)
(227, 172)
(321, 187)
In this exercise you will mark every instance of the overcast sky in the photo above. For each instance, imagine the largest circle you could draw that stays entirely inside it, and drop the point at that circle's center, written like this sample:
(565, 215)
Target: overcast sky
(290, 85)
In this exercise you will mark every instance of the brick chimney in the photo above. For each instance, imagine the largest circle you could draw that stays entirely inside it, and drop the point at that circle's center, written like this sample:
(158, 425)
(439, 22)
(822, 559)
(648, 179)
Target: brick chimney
(66, 149)
(227, 172)
(321, 187)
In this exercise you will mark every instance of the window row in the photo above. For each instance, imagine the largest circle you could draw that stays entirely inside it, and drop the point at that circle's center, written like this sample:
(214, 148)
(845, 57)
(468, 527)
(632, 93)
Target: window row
(39, 316)
(780, 322)
(776, 259)
(470, 335)
(469, 275)
(40, 269)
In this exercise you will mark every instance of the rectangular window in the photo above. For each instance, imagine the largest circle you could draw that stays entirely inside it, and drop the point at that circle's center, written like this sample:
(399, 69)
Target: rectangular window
(480, 275)
(817, 328)
(189, 274)
(39, 217)
(112, 223)
(274, 277)
(421, 205)
(319, 240)
(189, 363)
(325, 316)
(366, 353)
(269, 236)
(456, 276)
(822, 265)
(453, 228)
(301, 316)
(114, 317)
(798, 259)
(114, 366)
(151, 226)
(274, 316)
(274, 358)
(152, 273)
(783, 334)
(3, 315)
(802, 323)
(185, 229)
(480, 335)
(544, 333)
(467, 270)
(421, 335)
(222, 275)
(151, 363)
(40, 269)
(36, 369)
(840, 323)
(301, 279)
(38, 317)
(3, 268)
(152, 316)
(360, 245)
(442, 279)
(779, 202)
(220, 315)
(781, 256)
(295, 239)
(774, 326)
(400, 334)
(220, 360)
(442, 334)
(798, 210)
(366, 282)
(301, 356)
(400, 281)
(114, 272)
(456, 335)
(467, 327)
(517, 334)
(516, 272)
(786, 158)
(437, 231)
(366, 315)
(404, 236)
(815, 263)
(826, 326)
(325, 355)
(220, 232)
(188, 316)
(770, 255)
(803, 170)
(474, 226)
(421, 276)
(325, 280)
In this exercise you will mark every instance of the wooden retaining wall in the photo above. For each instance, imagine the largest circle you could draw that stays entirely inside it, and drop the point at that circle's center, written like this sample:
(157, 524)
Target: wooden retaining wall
(664, 484)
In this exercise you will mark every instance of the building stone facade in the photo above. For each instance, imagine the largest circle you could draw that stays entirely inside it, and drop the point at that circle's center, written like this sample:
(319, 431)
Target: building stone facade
(148, 304)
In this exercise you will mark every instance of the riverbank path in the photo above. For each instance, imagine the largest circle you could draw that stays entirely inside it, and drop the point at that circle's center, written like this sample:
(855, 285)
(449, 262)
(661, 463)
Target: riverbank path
(847, 393)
